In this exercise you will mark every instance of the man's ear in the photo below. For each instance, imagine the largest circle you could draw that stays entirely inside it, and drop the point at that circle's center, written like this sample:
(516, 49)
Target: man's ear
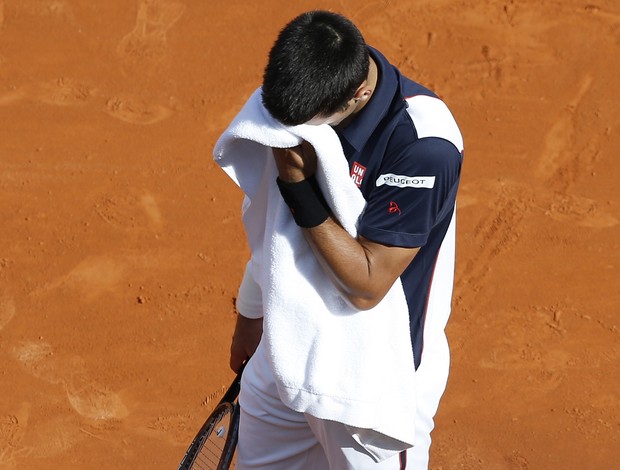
(363, 93)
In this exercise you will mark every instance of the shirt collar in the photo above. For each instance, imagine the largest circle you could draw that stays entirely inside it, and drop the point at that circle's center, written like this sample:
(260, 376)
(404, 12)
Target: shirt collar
(363, 125)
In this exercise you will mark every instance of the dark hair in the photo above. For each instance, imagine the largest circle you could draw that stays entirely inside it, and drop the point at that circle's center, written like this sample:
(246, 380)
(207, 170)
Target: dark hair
(315, 66)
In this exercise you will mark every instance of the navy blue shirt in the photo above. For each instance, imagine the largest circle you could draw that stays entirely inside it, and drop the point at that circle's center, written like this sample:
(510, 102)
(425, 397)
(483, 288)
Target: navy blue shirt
(407, 165)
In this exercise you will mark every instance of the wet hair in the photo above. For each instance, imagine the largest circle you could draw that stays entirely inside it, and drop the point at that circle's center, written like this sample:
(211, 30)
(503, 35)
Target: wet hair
(316, 65)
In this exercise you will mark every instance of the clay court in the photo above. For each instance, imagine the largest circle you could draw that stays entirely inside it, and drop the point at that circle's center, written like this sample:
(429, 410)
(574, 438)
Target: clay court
(121, 245)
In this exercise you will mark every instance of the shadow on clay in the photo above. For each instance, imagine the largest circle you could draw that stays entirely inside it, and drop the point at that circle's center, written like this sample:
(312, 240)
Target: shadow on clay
(87, 397)
(144, 45)
(7, 311)
(147, 42)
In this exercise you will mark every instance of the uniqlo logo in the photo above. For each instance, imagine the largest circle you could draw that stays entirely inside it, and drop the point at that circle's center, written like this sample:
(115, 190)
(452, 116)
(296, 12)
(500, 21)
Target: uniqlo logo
(357, 173)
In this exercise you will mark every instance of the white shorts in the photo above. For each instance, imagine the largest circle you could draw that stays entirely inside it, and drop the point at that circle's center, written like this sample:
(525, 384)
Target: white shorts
(275, 437)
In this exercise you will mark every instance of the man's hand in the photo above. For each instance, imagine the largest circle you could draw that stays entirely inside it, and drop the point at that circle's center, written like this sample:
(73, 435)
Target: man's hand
(247, 335)
(297, 163)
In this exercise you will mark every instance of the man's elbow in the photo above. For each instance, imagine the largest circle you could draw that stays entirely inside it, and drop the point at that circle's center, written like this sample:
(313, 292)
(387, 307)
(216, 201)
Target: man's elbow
(365, 302)
(367, 295)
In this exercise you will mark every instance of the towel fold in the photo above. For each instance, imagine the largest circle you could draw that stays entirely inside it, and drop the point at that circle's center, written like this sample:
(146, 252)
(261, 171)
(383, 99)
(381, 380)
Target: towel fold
(329, 359)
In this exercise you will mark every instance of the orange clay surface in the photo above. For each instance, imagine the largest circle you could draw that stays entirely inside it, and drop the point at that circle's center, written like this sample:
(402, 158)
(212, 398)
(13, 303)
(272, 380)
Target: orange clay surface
(121, 246)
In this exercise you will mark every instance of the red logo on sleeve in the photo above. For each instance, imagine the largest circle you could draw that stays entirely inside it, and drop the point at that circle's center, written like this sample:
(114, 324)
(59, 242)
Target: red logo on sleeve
(394, 209)
(357, 173)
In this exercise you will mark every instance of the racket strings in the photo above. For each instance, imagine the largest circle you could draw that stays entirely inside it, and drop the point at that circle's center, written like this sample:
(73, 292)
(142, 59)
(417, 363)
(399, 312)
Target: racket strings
(214, 446)
(209, 456)
(210, 453)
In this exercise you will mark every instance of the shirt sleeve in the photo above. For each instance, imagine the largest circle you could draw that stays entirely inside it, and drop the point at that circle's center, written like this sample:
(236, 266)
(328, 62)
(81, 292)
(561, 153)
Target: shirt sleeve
(249, 298)
(414, 187)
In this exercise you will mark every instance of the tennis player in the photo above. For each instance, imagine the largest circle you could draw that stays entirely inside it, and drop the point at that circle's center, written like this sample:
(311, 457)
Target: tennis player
(404, 151)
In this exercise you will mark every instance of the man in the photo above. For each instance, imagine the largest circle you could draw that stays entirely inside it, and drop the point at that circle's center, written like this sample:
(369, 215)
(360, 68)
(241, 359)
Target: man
(404, 151)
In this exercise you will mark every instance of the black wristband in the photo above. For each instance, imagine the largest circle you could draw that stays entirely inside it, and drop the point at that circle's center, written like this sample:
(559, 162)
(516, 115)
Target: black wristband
(306, 201)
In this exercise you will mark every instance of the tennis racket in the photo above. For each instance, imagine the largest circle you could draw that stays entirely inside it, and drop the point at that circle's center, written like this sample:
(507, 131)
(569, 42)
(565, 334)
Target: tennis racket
(214, 446)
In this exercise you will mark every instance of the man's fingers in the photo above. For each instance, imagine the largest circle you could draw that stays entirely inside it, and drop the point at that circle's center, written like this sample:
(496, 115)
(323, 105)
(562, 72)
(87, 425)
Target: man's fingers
(247, 335)
(236, 360)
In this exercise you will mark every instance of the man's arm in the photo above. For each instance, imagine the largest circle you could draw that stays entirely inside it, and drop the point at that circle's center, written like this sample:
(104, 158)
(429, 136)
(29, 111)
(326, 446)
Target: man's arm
(363, 270)
(249, 326)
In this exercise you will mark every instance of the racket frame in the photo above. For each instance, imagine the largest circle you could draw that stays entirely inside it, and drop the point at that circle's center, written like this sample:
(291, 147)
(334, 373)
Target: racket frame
(229, 400)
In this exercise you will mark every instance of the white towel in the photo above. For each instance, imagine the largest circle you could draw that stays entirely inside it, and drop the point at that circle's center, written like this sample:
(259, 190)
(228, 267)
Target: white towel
(329, 359)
